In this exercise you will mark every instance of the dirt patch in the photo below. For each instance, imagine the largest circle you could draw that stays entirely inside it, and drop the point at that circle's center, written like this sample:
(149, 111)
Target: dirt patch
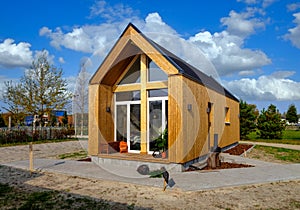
(227, 165)
(224, 165)
(239, 149)
(279, 195)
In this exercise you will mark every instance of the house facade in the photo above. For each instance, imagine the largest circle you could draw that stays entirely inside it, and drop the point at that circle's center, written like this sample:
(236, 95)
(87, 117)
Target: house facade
(141, 90)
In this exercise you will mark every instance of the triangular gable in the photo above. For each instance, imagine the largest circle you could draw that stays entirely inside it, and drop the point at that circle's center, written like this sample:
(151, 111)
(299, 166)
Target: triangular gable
(130, 43)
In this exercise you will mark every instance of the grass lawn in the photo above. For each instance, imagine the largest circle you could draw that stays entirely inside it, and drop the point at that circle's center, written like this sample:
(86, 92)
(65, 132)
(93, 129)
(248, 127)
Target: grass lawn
(287, 155)
(289, 137)
(38, 142)
(73, 155)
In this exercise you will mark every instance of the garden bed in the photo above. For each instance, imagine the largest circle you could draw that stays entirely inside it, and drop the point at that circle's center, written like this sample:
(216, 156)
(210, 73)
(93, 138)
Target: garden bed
(236, 150)
(239, 149)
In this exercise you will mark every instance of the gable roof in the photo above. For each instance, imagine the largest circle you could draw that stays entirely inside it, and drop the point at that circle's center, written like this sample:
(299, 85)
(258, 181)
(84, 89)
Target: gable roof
(180, 65)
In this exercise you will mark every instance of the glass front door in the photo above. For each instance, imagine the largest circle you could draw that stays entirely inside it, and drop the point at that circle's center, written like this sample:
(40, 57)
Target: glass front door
(128, 124)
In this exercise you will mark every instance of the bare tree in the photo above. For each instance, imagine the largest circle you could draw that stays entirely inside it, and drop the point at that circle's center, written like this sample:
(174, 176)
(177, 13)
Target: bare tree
(80, 99)
(40, 90)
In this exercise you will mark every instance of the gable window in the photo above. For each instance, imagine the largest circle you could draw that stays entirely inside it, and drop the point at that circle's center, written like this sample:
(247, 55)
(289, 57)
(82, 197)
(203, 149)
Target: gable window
(133, 75)
(227, 115)
(155, 73)
(128, 96)
(158, 92)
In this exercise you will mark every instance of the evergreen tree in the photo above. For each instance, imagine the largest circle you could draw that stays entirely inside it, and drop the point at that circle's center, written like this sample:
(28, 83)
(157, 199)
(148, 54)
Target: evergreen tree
(248, 116)
(291, 114)
(65, 119)
(269, 123)
(53, 120)
(2, 123)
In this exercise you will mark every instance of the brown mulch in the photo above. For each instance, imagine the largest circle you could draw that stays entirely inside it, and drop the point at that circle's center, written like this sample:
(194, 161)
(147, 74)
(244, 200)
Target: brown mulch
(226, 165)
(239, 149)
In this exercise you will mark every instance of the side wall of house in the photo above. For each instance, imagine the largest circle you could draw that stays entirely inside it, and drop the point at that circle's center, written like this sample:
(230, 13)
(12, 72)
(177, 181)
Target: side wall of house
(93, 143)
(231, 133)
(175, 138)
(192, 129)
(101, 124)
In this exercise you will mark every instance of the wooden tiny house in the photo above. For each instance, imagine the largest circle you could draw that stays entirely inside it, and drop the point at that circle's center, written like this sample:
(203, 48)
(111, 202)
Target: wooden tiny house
(142, 89)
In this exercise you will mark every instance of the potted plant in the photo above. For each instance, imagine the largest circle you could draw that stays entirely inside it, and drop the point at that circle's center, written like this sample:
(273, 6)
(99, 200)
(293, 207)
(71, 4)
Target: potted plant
(161, 143)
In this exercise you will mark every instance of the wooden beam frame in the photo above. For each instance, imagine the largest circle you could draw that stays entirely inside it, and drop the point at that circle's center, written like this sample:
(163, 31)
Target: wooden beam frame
(143, 86)
(125, 71)
(144, 99)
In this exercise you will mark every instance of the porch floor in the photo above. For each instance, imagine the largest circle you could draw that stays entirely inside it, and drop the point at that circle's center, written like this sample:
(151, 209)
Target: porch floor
(134, 157)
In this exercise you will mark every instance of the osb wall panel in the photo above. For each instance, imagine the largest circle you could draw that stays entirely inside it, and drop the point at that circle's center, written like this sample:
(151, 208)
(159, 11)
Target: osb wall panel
(106, 123)
(231, 133)
(197, 135)
(93, 120)
(175, 139)
(100, 121)
(195, 120)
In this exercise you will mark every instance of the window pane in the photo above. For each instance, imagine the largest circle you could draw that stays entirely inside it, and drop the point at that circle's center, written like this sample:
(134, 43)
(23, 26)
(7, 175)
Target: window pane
(135, 126)
(155, 73)
(155, 122)
(158, 92)
(133, 75)
(121, 123)
(128, 96)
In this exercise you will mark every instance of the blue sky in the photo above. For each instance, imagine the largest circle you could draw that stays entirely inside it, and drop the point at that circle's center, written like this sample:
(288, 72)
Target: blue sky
(254, 45)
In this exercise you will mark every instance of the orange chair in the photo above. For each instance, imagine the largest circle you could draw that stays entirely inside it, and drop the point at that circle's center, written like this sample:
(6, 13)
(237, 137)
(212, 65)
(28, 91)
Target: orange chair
(123, 147)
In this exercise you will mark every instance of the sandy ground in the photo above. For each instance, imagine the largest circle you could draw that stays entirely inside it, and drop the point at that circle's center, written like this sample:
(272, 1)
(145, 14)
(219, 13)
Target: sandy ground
(279, 195)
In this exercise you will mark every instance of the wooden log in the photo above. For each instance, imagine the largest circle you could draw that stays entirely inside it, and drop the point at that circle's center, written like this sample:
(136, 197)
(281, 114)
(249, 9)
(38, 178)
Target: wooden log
(31, 157)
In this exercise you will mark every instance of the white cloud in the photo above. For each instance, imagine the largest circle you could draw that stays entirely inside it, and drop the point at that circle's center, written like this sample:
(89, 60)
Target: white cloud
(111, 13)
(225, 49)
(248, 1)
(294, 6)
(243, 24)
(88, 38)
(227, 53)
(276, 86)
(294, 33)
(266, 3)
(61, 60)
(39, 53)
(14, 55)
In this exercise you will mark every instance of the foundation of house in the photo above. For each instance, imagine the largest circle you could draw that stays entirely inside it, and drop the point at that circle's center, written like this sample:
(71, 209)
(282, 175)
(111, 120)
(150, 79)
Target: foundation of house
(154, 165)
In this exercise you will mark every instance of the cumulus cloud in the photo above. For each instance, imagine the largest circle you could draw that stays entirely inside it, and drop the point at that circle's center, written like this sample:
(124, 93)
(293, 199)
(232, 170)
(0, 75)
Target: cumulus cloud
(248, 1)
(111, 13)
(14, 55)
(61, 60)
(243, 24)
(264, 3)
(39, 53)
(276, 86)
(224, 49)
(227, 53)
(293, 7)
(294, 33)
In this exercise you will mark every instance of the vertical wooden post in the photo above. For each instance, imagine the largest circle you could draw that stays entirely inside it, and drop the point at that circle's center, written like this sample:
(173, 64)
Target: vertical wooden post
(30, 157)
(165, 185)
(245, 153)
(143, 104)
